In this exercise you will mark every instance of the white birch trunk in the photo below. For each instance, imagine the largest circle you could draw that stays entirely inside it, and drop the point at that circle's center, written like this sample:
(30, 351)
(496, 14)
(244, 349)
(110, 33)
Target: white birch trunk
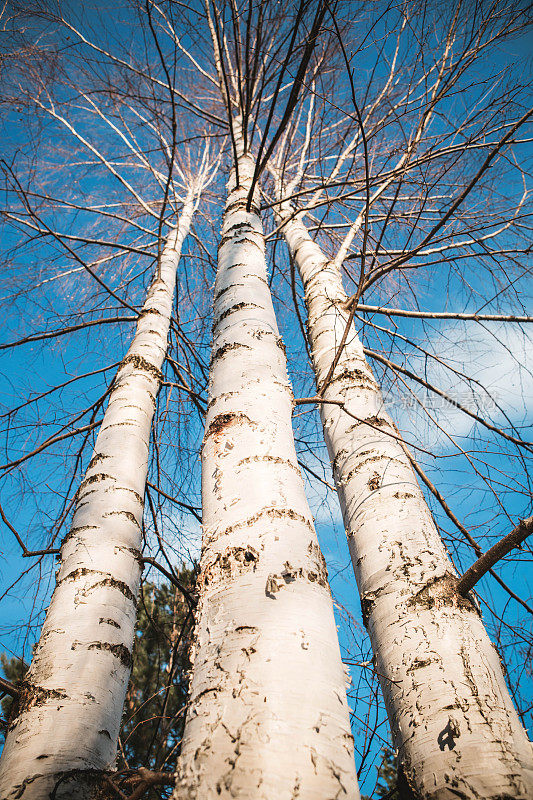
(452, 719)
(268, 716)
(70, 708)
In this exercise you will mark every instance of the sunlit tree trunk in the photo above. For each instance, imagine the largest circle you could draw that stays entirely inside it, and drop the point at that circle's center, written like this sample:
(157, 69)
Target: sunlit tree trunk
(70, 707)
(268, 716)
(452, 719)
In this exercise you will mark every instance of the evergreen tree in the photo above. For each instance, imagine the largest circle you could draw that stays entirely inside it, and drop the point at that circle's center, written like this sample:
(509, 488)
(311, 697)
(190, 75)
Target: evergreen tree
(14, 670)
(387, 777)
(157, 693)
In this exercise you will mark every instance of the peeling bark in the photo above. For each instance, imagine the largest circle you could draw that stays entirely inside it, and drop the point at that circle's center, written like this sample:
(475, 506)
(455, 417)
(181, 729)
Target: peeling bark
(268, 716)
(452, 719)
(67, 723)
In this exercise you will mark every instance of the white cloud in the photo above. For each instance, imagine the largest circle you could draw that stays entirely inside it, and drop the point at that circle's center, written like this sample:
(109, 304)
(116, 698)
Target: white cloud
(499, 356)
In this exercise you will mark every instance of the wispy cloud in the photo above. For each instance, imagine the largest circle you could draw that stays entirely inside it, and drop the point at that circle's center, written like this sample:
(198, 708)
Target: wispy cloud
(498, 360)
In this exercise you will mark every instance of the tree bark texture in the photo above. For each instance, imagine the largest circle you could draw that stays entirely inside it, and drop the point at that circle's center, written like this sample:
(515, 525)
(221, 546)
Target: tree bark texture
(452, 719)
(67, 722)
(268, 716)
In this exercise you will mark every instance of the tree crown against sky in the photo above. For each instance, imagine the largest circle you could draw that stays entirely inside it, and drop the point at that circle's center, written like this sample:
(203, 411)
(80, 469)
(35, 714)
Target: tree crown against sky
(409, 109)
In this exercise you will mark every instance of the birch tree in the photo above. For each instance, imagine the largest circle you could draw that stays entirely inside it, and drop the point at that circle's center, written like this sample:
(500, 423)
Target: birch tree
(415, 617)
(452, 719)
(268, 713)
(63, 733)
(268, 710)
(73, 693)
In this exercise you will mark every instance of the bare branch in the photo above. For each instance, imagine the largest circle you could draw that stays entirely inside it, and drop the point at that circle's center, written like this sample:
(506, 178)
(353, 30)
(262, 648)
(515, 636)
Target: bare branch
(492, 556)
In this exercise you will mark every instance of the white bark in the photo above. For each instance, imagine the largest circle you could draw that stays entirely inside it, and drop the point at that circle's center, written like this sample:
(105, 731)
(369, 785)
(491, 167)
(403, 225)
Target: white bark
(452, 719)
(70, 708)
(268, 716)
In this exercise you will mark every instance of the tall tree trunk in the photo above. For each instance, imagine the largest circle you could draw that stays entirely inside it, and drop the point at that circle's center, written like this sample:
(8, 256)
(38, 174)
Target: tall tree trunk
(67, 722)
(268, 716)
(452, 719)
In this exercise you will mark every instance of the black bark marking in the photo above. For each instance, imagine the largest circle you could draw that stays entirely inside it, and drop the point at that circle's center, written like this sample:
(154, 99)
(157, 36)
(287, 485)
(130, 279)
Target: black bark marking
(290, 574)
(227, 348)
(313, 548)
(281, 345)
(272, 586)
(107, 581)
(226, 289)
(273, 513)
(142, 364)
(223, 421)
(96, 478)
(204, 692)
(131, 491)
(241, 203)
(128, 514)
(447, 736)
(79, 573)
(356, 377)
(239, 236)
(31, 695)
(272, 459)
(233, 310)
(440, 592)
(247, 240)
(137, 555)
(370, 460)
(103, 621)
(374, 482)
(218, 397)
(373, 422)
(128, 423)
(122, 587)
(227, 565)
(253, 275)
(419, 663)
(120, 651)
(75, 531)
(147, 311)
(236, 265)
(368, 602)
(236, 229)
(96, 458)
(338, 458)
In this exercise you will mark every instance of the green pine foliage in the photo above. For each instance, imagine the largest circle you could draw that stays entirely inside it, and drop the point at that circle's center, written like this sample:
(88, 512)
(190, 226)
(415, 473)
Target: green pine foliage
(14, 670)
(387, 777)
(154, 711)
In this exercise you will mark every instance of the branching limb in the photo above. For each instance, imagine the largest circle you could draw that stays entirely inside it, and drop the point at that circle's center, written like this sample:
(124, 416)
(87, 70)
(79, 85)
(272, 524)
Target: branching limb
(492, 556)
(6, 687)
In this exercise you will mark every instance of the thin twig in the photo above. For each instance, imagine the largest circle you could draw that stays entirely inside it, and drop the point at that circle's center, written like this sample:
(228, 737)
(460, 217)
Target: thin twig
(188, 596)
